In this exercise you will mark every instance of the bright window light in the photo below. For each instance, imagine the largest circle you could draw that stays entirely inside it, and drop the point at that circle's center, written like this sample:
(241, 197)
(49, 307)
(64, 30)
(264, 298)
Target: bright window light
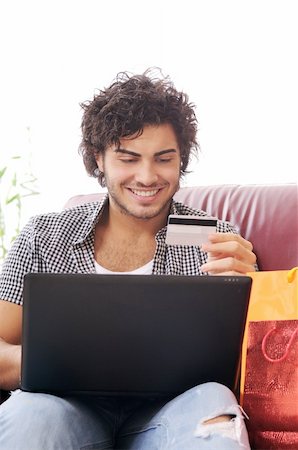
(236, 60)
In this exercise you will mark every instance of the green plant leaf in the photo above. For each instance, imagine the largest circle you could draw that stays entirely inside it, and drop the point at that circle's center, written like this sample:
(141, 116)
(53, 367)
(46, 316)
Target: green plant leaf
(14, 180)
(17, 185)
(2, 171)
(12, 199)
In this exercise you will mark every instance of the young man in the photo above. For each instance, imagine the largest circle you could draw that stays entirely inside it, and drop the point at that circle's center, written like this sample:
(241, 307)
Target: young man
(137, 138)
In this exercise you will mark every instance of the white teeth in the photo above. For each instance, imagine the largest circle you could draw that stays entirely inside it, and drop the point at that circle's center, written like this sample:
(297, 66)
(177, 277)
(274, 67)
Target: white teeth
(145, 193)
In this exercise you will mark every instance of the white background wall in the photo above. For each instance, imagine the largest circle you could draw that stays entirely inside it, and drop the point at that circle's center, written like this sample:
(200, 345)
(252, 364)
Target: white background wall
(236, 59)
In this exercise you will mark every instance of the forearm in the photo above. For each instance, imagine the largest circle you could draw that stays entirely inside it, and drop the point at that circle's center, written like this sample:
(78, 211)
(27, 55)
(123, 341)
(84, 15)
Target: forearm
(10, 365)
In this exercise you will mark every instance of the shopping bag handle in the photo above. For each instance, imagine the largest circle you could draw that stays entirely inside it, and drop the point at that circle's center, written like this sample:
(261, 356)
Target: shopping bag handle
(264, 342)
(291, 274)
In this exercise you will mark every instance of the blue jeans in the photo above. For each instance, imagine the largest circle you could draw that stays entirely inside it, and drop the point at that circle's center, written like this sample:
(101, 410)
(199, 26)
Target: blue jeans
(46, 422)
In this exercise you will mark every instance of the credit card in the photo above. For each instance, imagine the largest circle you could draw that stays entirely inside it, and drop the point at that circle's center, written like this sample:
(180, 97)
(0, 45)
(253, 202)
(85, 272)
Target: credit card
(189, 230)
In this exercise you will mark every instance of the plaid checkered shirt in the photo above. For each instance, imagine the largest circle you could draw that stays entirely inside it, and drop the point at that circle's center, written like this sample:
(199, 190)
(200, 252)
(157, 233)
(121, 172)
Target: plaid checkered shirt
(63, 242)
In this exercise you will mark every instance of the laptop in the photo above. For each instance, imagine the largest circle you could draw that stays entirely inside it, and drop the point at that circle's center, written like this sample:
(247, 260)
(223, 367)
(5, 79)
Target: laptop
(131, 334)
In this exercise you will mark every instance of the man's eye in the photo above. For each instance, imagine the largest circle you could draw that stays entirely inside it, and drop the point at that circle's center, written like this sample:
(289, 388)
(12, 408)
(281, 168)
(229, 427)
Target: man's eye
(165, 160)
(128, 160)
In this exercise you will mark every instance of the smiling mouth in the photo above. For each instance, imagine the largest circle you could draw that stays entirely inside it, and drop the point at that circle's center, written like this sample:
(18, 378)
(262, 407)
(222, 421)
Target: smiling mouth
(147, 193)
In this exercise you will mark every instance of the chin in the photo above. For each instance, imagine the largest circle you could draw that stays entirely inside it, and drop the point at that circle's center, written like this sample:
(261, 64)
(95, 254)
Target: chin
(145, 213)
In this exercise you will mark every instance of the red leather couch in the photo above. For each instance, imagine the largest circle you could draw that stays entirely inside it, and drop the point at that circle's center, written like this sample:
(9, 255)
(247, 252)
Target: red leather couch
(267, 215)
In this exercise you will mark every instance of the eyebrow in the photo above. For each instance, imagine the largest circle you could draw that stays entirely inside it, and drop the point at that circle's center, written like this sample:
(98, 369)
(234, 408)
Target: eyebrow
(130, 152)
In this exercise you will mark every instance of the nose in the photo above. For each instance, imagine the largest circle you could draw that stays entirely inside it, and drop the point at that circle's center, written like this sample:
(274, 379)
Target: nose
(146, 174)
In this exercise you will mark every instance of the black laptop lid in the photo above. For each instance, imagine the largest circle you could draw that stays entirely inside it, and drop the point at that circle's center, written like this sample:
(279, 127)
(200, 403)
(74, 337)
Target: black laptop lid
(131, 334)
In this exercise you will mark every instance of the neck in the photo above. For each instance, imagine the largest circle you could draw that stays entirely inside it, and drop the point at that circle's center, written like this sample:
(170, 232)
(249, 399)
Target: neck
(126, 224)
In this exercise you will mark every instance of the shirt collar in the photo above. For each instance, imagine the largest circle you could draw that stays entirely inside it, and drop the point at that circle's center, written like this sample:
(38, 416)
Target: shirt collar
(93, 217)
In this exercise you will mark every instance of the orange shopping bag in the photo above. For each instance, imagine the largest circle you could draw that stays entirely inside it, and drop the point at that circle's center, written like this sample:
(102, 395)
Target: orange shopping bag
(269, 372)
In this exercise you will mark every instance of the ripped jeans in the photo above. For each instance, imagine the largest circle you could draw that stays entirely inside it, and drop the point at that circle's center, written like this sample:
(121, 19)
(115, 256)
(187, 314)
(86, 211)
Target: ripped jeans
(46, 422)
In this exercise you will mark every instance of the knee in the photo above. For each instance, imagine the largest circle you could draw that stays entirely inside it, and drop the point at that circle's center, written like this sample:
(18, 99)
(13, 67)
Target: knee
(215, 388)
(43, 410)
(41, 421)
(216, 393)
(224, 418)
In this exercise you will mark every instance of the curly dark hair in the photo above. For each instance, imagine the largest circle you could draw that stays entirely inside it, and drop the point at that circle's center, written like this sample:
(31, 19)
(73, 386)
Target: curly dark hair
(126, 107)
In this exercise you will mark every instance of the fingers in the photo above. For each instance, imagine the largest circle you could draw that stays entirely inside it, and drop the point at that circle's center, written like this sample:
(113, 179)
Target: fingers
(230, 248)
(229, 237)
(227, 266)
(228, 254)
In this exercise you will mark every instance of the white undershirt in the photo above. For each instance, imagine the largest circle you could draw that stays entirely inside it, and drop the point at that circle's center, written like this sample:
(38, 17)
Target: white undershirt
(144, 270)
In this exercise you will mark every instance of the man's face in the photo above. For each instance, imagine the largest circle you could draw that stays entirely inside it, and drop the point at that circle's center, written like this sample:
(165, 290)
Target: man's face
(142, 175)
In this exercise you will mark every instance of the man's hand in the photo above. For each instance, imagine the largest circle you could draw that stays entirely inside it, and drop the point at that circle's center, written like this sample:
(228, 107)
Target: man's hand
(228, 254)
(10, 344)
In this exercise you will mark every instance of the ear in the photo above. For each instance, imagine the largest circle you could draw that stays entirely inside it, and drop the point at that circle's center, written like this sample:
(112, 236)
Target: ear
(99, 161)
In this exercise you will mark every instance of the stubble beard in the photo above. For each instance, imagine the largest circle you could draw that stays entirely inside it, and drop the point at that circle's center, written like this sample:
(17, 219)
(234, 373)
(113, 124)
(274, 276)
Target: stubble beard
(145, 215)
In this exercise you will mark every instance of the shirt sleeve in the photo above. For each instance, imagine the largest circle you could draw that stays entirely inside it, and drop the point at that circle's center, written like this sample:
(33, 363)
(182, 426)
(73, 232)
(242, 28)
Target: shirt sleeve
(226, 227)
(18, 262)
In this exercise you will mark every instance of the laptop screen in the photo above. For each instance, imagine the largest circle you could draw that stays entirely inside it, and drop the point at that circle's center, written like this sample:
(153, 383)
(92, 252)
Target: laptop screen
(131, 334)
